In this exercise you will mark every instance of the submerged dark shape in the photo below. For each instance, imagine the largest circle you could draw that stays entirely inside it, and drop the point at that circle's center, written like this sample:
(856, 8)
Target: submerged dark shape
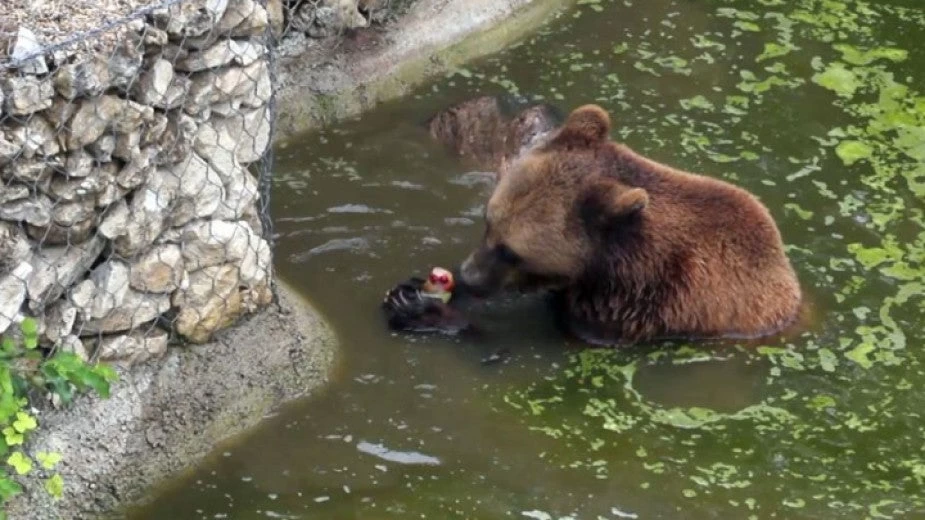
(493, 130)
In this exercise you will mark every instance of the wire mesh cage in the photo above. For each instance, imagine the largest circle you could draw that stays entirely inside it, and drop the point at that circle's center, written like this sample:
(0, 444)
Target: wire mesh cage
(135, 163)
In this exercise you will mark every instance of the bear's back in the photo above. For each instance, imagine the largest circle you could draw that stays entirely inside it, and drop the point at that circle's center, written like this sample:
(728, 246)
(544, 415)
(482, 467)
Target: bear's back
(710, 260)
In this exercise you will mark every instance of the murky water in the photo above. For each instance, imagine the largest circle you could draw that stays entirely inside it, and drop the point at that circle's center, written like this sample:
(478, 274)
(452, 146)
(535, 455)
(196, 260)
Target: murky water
(814, 105)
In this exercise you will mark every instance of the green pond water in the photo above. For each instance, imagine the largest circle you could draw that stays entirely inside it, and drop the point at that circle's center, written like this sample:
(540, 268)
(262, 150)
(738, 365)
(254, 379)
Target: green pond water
(817, 106)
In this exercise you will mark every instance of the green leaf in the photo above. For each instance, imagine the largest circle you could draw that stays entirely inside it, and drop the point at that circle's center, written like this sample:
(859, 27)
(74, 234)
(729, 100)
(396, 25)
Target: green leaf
(856, 56)
(774, 50)
(8, 488)
(107, 372)
(821, 402)
(29, 327)
(55, 486)
(96, 382)
(48, 460)
(697, 101)
(12, 437)
(8, 345)
(859, 355)
(746, 26)
(20, 462)
(827, 360)
(838, 79)
(24, 422)
(851, 152)
(804, 214)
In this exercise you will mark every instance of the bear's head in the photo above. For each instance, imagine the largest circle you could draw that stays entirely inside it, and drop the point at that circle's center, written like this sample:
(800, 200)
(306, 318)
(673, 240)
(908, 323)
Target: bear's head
(553, 209)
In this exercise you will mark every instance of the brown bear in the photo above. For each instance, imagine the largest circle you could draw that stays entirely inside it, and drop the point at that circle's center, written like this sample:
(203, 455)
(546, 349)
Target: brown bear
(636, 250)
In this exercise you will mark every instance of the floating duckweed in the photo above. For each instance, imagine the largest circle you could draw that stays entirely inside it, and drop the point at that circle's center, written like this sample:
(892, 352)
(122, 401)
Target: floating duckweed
(848, 381)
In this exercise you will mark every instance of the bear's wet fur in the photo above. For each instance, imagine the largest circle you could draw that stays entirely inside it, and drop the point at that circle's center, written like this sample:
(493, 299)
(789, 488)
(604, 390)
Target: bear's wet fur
(636, 250)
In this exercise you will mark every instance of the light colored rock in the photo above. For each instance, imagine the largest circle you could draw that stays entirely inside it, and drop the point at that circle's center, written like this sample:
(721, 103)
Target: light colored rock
(9, 150)
(135, 347)
(154, 129)
(57, 268)
(81, 297)
(135, 310)
(160, 270)
(55, 234)
(137, 170)
(10, 192)
(59, 321)
(177, 140)
(125, 63)
(243, 18)
(110, 191)
(248, 85)
(160, 87)
(63, 189)
(14, 247)
(29, 171)
(85, 79)
(103, 147)
(72, 213)
(115, 221)
(245, 134)
(253, 219)
(36, 137)
(72, 344)
(154, 37)
(78, 164)
(241, 192)
(255, 267)
(256, 297)
(101, 293)
(211, 303)
(276, 17)
(190, 19)
(26, 52)
(133, 227)
(208, 243)
(199, 188)
(13, 294)
(24, 95)
(61, 55)
(35, 211)
(128, 145)
(215, 141)
(223, 52)
(61, 111)
(95, 116)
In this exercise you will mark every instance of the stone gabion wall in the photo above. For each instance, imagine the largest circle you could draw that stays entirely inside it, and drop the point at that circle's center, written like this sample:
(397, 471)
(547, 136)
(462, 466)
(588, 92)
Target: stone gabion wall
(130, 178)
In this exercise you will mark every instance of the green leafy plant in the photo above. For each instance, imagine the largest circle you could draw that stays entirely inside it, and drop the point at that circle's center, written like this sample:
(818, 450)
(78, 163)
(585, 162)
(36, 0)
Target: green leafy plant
(25, 370)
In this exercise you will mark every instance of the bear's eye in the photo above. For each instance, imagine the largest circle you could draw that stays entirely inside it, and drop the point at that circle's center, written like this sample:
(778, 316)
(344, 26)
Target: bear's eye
(506, 254)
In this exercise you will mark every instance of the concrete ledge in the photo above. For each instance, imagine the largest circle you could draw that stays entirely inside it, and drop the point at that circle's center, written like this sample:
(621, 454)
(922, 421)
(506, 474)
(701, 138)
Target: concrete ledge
(436, 36)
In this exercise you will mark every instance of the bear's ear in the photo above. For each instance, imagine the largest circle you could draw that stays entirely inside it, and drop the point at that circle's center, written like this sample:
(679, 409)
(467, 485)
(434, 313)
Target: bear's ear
(586, 125)
(628, 202)
(608, 200)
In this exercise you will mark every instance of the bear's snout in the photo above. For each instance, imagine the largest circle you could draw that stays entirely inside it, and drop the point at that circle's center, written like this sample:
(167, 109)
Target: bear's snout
(477, 274)
(471, 275)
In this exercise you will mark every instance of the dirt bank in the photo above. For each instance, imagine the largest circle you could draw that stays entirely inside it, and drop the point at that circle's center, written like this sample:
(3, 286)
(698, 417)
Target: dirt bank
(166, 414)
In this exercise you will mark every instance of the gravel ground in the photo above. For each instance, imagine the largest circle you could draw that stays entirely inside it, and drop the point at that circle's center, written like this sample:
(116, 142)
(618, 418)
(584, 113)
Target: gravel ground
(54, 21)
